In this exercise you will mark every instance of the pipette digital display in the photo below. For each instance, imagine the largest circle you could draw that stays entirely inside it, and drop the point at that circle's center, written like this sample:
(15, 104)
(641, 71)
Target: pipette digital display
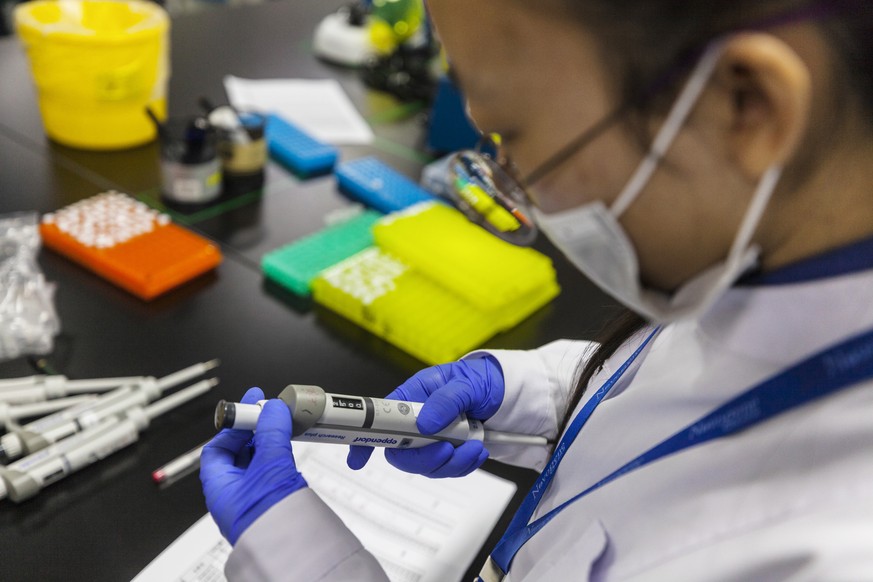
(318, 416)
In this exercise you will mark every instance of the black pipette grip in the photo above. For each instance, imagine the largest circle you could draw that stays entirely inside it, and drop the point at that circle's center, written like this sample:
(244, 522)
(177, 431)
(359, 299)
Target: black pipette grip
(225, 414)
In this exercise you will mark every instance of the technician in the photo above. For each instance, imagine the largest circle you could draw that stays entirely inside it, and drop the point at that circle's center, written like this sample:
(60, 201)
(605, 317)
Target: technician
(710, 165)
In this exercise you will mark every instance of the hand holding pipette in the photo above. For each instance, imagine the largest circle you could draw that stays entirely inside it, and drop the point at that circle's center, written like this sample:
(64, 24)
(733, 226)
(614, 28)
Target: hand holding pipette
(241, 481)
(474, 386)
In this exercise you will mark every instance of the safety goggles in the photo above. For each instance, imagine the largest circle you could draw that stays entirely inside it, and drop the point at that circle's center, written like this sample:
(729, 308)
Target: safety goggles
(483, 188)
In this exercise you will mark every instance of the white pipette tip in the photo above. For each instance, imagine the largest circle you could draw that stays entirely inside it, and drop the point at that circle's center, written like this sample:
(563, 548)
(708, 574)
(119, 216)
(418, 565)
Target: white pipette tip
(185, 374)
(167, 403)
(510, 438)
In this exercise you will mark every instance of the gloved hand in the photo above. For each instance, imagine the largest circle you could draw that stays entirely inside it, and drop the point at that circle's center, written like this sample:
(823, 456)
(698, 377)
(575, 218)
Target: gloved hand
(473, 386)
(243, 476)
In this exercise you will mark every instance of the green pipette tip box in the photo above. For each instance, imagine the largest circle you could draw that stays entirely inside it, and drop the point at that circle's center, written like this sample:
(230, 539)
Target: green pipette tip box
(294, 266)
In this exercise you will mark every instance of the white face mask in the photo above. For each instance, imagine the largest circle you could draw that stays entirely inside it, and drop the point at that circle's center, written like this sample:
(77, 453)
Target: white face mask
(592, 239)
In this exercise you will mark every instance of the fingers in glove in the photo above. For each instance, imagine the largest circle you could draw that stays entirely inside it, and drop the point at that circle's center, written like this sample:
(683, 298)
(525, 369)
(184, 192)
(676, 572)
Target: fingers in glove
(483, 456)
(421, 461)
(422, 384)
(444, 406)
(230, 446)
(465, 459)
(439, 460)
(273, 432)
(358, 456)
(223, 450)
(252, 396)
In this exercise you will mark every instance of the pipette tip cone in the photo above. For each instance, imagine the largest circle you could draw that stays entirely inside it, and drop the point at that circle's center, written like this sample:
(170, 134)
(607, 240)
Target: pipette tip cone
(213, 382)
(158, 476)
(212, 364)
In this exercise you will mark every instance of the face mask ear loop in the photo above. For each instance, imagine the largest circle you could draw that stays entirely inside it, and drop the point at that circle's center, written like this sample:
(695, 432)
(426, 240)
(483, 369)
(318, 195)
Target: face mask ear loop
(760, 200)
(675, 120)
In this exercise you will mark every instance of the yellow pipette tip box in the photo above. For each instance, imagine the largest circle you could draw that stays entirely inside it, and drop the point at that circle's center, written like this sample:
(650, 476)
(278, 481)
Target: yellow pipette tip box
(395, 301)
(129, 244)
(436, 285)
(388, 298)
(486, 271)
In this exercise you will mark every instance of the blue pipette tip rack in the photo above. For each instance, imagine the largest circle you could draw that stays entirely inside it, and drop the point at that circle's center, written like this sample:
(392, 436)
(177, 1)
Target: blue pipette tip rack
(297, 150)
(375, 184)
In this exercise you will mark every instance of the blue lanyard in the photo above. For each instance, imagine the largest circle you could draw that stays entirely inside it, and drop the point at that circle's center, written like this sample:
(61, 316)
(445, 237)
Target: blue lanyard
(820, 375)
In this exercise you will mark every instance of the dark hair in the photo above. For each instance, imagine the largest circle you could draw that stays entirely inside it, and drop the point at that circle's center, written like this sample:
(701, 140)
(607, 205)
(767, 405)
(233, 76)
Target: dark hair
(613, 335)
(644, 40)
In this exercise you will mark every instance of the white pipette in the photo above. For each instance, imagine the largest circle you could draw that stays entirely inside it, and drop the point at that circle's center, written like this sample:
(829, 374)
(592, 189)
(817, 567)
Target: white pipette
(41, 388)
(50, 429)
(318, 416)
(10, 413)
(28, 476)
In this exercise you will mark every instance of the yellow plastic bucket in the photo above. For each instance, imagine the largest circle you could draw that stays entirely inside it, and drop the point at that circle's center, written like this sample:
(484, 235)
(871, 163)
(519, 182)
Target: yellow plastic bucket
(97, 65)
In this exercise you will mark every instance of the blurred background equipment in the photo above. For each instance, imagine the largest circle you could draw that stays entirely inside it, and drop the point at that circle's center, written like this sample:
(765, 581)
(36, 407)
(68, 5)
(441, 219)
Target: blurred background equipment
(344, 38)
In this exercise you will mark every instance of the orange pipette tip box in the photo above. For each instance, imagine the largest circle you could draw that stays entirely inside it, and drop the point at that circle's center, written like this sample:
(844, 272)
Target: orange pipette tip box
(129, 244)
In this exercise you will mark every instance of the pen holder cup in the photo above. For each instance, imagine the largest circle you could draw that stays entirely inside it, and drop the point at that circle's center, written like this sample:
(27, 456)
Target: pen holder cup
(190, 165)
(244, 149)
(97, 65)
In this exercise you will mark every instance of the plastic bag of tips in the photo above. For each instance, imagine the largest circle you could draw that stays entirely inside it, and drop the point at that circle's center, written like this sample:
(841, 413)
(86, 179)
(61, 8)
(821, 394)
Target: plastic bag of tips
(28, 320)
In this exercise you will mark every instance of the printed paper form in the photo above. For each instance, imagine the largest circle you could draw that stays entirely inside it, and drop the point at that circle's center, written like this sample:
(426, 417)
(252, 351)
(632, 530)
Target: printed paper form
(420, 529)
(319, 107)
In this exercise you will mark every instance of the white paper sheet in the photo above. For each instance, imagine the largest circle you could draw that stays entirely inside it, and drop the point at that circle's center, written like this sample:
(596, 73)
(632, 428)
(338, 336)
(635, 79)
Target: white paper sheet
(420, 529)
(319, 107)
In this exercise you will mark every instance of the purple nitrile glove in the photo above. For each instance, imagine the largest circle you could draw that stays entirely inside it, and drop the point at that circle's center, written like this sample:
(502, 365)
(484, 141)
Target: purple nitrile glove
(243, 476)
(473, 386)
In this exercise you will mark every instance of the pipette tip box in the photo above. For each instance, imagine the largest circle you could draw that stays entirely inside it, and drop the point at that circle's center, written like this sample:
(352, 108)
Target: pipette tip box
(379, 186)
(129, 244)
(296, 149)
(294, 266)
(436, 285)
(388, 298)
(486, 271)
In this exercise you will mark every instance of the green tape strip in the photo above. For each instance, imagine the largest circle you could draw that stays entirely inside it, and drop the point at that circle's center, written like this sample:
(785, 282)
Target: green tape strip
(397, 113)
(401, 151)
(148, 197)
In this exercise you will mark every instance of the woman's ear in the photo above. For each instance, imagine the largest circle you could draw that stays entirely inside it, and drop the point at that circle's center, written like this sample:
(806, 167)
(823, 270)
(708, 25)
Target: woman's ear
(769, 94)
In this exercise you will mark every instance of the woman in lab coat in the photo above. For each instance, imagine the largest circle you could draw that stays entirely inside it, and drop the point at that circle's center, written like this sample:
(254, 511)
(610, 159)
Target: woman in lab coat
(709, 165)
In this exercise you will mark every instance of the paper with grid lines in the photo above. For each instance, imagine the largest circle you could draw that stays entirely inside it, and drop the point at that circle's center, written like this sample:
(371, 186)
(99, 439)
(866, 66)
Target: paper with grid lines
(419, 529)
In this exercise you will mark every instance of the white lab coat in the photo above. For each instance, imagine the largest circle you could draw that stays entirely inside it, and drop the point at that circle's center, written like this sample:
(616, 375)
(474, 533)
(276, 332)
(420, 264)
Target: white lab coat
(790, 499)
